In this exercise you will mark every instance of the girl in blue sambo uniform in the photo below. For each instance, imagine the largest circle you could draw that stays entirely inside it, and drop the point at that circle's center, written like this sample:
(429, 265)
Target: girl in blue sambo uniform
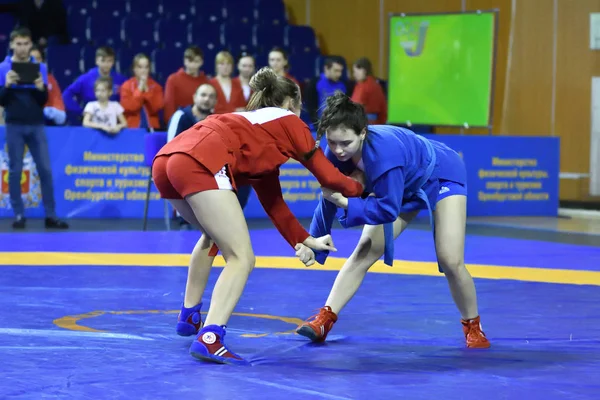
(404, 173)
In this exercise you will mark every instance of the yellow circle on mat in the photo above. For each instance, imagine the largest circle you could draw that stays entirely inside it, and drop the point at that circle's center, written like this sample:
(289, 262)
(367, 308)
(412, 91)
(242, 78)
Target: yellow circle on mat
(71, 322)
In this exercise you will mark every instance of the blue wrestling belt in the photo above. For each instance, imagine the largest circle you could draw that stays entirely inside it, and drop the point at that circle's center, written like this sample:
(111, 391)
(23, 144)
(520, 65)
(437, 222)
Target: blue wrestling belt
(388, 229)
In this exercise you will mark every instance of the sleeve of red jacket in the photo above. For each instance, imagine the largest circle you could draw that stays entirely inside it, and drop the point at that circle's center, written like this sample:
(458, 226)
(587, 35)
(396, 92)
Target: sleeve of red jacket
(170, 106)
(325, 172)
(132, 99)
(268, 191)
(154, 99)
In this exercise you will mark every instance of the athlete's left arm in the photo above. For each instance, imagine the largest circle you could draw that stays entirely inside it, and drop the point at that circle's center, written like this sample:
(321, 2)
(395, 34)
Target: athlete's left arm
(382, 207)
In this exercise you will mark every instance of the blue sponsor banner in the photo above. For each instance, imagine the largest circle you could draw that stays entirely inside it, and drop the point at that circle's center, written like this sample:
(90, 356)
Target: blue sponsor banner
(102, 176)
(509, 175)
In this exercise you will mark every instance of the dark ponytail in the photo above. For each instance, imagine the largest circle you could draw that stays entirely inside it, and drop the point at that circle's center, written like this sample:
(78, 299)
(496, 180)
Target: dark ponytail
(340, 111)
(271, 90)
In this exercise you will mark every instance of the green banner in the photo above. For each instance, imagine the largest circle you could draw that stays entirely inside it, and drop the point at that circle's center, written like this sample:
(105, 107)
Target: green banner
(441, 69)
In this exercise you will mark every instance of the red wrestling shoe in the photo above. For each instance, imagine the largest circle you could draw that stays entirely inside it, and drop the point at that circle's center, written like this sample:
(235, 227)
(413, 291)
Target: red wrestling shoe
(318, 326)
(474, 335)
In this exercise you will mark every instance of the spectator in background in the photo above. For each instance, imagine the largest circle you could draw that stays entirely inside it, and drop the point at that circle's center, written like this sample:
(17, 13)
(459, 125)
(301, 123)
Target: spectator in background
(181, 85)
(246, 67)
(230, 95)
(103, 113)
(142, 97)
(278, 61)
(83, 90)
(205, 100)
(369, 92)
(45, 19)
(23, 107)
(54, 109)
(320, 88)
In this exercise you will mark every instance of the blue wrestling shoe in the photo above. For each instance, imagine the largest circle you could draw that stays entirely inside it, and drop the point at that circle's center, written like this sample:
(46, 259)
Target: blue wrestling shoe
(189, 321)
(209, 346)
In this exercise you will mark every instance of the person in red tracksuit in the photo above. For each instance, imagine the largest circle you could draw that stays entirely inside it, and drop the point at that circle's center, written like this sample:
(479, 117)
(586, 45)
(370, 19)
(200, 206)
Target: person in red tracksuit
(181, 85)
(369, 92)
(230, 94)
(199, 171)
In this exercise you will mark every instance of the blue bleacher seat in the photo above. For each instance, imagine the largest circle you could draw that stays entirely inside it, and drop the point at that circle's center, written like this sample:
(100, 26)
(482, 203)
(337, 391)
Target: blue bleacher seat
(268, 36)
(64, 63)
(80, 10)
(180, 9)
(111, 8)
(302, 66)
(238, 47)
(206, 35)
(262, 59)
(105, 30)
(209, 61)
(301, 39)
(271, 12)
(88, 57)
(7, 23)
(173, 32)
(238, 33)
(210, 11)
(78, 26)
(139, 32)
(240, 12)
(149, 9)
(166, 61)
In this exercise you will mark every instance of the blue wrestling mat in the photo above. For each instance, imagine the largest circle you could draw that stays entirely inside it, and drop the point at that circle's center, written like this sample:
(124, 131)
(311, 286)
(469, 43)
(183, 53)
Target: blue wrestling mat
(92, 315)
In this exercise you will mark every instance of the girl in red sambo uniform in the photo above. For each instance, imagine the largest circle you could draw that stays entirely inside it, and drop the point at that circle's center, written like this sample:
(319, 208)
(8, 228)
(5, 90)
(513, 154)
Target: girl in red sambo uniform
(198, 172)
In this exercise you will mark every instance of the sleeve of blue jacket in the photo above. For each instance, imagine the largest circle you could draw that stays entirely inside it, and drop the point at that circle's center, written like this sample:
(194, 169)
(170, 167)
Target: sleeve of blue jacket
(321, 224)
(72, 95)
(326, 211)
(383, 207)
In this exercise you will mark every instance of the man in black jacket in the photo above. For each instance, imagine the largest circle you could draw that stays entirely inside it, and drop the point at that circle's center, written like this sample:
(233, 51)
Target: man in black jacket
(23, 104)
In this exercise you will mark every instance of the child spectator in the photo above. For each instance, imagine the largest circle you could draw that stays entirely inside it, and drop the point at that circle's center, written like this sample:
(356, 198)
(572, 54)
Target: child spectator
(141, 96)
(181, 85)
(82, 91)
(103, 113)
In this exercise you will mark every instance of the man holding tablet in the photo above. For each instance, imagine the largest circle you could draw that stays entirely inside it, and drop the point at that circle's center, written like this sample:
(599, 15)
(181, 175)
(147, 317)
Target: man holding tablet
(23, 93)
